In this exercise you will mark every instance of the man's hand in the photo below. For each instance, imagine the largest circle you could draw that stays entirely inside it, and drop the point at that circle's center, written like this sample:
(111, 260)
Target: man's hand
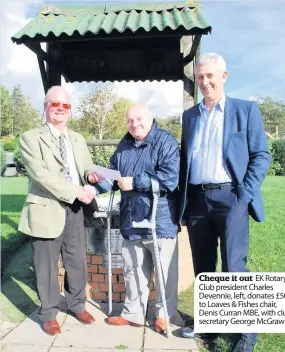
(125, 183)
(93, 177)
(85, 195)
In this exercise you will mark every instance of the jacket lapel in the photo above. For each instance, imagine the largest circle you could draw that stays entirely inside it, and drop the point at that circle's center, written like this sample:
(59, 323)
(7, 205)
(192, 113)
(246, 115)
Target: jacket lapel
(229, 120)
(77, 154)
(50, 142)
(191, 129)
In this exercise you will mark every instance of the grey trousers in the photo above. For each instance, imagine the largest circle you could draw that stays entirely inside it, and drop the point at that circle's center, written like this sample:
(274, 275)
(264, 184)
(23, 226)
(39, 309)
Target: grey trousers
(71, 245)
(139, 260)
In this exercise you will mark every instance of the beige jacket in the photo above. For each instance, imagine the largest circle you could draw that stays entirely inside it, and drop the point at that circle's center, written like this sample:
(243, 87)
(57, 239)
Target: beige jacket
(43, 214)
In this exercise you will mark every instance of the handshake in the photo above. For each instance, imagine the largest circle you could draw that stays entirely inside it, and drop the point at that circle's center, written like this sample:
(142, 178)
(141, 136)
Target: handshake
(86, 194)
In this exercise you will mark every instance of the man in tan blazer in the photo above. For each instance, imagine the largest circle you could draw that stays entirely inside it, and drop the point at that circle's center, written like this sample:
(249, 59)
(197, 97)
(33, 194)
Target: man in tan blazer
(57, 161)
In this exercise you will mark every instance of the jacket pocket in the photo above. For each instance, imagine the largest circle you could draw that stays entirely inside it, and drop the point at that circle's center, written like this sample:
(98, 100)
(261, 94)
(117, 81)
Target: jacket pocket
(34, 199)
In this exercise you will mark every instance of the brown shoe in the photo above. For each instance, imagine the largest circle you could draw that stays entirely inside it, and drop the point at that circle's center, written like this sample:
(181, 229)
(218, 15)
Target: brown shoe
(121, 321)
(160, 325)
(51, 327)
(84, 317)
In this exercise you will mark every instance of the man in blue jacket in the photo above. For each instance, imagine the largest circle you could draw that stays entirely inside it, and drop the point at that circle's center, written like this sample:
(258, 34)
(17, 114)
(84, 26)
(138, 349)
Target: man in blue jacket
(147, 151)
(224, 160)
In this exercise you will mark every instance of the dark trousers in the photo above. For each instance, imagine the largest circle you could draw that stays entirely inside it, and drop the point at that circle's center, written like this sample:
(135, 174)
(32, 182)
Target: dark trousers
(72, 246)
(214, 214)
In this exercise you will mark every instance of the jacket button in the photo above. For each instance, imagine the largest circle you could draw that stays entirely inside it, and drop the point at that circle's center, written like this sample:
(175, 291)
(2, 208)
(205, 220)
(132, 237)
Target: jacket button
(61, 170)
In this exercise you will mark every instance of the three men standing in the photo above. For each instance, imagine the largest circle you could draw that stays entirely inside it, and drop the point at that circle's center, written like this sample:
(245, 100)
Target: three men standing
(224, 160)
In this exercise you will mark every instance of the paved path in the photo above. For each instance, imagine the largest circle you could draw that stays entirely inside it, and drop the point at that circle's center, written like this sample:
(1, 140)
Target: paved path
(10, 165)
(76, 337)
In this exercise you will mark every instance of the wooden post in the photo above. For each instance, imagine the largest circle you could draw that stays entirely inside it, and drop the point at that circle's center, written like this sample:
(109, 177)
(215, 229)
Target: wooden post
(188, 74)
(53, 75)
(191, 49)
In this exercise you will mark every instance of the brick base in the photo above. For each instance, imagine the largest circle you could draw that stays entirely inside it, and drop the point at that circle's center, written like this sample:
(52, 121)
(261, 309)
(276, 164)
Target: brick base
(97, 286)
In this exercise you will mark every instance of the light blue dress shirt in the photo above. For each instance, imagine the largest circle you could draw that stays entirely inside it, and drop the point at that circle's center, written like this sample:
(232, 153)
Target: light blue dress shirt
(207, 165)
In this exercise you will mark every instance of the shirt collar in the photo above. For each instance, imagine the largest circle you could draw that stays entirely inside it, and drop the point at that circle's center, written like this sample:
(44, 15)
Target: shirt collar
(55, 132)
(220, 104)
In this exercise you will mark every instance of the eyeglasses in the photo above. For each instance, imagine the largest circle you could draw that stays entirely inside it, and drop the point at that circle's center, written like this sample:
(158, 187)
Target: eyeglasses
(56, 104)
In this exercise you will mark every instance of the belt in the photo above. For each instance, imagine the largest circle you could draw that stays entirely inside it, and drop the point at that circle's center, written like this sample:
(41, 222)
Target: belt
(210, 186)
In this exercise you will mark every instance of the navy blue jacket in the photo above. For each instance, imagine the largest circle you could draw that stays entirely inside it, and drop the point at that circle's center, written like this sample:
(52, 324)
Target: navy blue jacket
(245, 152)
(158, 156)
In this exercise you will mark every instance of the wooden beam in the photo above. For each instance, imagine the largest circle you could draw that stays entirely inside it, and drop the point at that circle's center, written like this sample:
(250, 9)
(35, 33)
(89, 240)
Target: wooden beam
(195, 81)
(108, 142)
(36, 48)
(188, 74)
(53, 71)
(195, 44)
(43, 73)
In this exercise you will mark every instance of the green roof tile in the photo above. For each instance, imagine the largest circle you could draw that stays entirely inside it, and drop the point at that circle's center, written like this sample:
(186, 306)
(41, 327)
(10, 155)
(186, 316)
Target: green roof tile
(93, 19)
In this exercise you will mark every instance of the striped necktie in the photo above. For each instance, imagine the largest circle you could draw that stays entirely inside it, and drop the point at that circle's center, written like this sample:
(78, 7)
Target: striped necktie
(63, 153)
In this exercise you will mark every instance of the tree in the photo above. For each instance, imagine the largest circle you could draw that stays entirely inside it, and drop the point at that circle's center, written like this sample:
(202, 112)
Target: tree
(118, 119)
(171, 124)
(95, 107)
(6, 111)
(273, 113)
(103, 115)
(25, 116)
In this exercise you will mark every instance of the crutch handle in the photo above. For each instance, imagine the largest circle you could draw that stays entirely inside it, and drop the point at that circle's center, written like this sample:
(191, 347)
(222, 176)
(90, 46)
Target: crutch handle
(145, 224)
(100, 214)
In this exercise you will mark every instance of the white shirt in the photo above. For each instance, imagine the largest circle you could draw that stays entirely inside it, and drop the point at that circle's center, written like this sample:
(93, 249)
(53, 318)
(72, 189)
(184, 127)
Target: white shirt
(69, 150)
(207, 164)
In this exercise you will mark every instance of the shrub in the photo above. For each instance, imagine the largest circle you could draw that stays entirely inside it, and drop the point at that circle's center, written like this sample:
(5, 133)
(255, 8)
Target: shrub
(21, 171)
(277, 149)
(9, 143)
(3, 160)
(101, 155)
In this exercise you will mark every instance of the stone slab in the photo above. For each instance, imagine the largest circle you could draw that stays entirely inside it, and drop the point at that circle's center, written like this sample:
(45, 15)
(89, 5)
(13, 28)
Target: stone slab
(29, 332)
(99, 336)
(6, 327)
(159, 342)
(23, 348)
(80, 349)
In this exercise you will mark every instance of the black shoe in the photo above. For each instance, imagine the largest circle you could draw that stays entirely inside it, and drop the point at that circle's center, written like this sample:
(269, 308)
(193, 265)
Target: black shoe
(245, 344)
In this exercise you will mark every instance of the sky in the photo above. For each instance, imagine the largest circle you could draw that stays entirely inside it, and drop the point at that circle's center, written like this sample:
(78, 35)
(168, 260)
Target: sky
(250, 35)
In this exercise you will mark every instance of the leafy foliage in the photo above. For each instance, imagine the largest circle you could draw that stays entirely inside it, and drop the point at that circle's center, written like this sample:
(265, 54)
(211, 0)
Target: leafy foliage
(101, 155)
(9, 143)
(3, 160)
(273, 113)
(277, 149)
(17, 113)
(171, 124)
(21, 171)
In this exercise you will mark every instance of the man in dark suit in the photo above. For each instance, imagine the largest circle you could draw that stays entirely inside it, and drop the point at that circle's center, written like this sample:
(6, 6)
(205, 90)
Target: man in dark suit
(224, 160)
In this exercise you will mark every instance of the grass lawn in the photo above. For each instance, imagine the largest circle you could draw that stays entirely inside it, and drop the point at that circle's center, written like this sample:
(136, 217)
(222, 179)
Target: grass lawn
(13, 194)
(267, 253)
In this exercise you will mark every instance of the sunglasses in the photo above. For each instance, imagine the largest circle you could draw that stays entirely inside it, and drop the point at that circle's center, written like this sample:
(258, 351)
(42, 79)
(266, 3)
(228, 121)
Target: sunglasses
(56, 104)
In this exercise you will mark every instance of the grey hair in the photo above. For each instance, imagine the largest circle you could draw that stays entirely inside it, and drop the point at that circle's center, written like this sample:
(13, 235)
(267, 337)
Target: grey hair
(51, 89)
(211, 57)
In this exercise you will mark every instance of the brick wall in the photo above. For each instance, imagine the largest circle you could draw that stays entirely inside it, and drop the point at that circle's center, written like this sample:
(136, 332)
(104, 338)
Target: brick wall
(97, 287)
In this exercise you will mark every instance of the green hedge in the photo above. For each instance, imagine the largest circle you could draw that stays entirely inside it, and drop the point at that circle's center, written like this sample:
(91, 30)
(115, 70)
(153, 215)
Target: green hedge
(3, 160)
(9, 143)
(101, 155)
(21, 171)
(277, 149)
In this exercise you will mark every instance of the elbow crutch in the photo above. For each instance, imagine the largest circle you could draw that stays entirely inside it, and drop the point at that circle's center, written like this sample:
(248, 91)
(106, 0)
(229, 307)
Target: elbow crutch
(108, 215)
(146, 224)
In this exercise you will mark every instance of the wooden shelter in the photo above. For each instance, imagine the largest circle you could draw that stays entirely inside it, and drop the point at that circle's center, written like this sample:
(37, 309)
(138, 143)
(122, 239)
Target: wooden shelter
(120, 42)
